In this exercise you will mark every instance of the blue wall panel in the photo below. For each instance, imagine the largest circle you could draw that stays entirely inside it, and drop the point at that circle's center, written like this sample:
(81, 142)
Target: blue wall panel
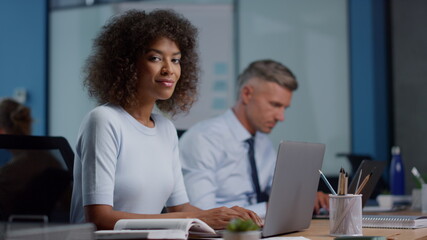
(23, 26)
(369, 78)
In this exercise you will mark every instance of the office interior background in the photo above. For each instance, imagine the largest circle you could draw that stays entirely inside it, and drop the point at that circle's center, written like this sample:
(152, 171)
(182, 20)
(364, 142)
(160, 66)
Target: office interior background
(361, 66)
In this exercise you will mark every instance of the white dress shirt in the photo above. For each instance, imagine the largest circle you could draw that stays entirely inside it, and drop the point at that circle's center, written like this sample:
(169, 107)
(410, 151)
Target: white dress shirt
(216, 167)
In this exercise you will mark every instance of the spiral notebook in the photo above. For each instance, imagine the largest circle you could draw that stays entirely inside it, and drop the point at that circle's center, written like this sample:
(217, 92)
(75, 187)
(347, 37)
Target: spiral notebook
(394, 221)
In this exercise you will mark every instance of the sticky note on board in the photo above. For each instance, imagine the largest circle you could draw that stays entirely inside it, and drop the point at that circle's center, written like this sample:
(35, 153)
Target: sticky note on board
(220, 86)
(220, 68)
(219, 104)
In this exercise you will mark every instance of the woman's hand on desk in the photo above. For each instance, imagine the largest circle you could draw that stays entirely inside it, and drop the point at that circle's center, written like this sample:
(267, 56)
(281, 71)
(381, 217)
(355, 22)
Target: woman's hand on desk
(218, 218)
(250, 215)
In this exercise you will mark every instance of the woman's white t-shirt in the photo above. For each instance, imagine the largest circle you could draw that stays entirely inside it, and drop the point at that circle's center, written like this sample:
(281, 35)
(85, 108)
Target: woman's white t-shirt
(124, 164)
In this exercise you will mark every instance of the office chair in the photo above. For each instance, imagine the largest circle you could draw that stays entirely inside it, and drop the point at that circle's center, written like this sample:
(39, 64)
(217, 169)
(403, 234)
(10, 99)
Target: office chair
(47, 190)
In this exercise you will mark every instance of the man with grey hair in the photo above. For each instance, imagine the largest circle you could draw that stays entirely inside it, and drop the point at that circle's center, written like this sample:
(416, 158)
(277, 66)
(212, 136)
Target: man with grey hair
(229, 160)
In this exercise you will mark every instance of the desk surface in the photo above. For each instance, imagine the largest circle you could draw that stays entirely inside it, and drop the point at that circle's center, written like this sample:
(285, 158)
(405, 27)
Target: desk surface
(319, 230)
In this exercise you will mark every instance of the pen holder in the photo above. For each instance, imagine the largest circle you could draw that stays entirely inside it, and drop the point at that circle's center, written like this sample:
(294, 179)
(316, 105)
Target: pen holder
(345, 215)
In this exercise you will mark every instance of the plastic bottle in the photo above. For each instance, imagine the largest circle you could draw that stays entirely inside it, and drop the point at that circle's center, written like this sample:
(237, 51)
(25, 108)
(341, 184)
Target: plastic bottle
(397, 172)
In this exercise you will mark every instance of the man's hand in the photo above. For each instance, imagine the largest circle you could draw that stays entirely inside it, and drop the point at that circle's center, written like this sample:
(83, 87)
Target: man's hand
(322, 201)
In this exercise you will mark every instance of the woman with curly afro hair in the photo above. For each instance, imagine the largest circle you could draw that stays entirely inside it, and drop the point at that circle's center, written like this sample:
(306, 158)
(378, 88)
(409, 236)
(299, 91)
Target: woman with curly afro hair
(127, 163)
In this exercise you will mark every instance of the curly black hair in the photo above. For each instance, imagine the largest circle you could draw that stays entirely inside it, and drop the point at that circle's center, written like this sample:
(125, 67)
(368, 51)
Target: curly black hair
(111, 70)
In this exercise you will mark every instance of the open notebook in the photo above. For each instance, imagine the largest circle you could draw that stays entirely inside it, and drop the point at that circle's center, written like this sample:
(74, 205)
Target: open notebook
(155, 229)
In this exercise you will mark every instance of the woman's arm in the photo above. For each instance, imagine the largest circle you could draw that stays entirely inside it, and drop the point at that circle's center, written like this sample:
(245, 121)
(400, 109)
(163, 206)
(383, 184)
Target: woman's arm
(104, 217)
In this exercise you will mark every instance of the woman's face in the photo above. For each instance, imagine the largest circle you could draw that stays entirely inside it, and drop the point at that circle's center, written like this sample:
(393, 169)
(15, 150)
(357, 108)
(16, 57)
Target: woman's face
(159, 70)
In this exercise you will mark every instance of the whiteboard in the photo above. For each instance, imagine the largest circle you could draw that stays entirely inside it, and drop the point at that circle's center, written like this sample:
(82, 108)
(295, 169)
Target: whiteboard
(71, 33)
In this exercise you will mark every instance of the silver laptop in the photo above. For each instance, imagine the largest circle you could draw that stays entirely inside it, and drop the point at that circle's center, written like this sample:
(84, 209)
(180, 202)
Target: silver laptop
(295, 182)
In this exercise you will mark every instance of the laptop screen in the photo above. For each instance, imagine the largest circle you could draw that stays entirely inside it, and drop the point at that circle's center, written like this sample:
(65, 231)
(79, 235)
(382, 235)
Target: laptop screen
(294, 188)
(365, 168)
